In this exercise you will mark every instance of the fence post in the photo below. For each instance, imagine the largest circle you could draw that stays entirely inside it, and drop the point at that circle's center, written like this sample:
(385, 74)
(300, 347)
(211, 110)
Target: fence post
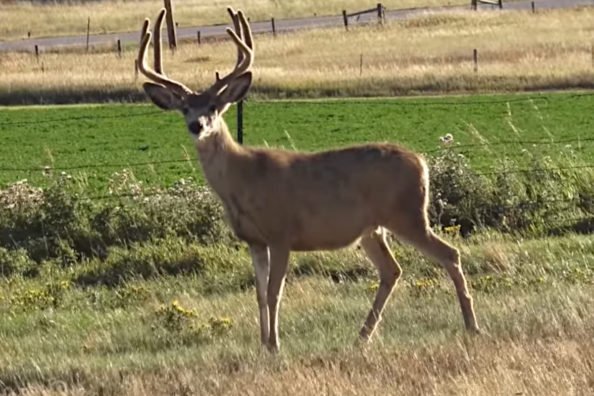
(273, 26)
(240, 122)
(501, 4)
(119, 48)
(198, 37)
(473, 4)
(135, 69)
(37, 53)
(380, 13)
(533, 8)
(361, 65)
(88, 31)
(171, 34)
(475, 57)
(345, 19)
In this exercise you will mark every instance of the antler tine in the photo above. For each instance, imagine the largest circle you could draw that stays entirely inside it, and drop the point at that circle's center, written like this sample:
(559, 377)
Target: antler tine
(237, 26)
(157, 45)
(244, 49)
(157, 76)
(246, 30)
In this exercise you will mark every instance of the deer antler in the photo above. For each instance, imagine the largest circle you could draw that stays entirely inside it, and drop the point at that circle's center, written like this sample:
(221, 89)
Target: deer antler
(157, 74)
(242, 36)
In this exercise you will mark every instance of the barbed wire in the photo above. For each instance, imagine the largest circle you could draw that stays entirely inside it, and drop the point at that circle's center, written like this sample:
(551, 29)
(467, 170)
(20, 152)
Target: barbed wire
(95, 166)
(482, 171)
(81, 118)
(49, 168)
(519, 206)
(586, 140)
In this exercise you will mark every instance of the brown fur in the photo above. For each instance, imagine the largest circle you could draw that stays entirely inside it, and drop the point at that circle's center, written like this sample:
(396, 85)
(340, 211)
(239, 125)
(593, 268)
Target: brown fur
(280, 201)
(312, 201)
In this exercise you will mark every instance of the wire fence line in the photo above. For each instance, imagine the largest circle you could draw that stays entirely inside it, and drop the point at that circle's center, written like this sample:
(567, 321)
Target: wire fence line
(480, 171)
(586, 205)
(165, 193)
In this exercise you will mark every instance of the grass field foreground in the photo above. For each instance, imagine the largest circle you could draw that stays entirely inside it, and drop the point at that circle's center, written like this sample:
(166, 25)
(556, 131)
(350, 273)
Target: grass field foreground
(167, 335)
(69, 18)
(427, 54)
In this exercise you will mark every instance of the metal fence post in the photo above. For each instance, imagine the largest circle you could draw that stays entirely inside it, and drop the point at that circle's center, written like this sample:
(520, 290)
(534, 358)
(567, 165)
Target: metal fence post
(240, 122)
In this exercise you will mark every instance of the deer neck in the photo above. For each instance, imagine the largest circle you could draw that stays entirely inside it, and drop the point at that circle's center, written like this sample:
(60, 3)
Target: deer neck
(216, 152)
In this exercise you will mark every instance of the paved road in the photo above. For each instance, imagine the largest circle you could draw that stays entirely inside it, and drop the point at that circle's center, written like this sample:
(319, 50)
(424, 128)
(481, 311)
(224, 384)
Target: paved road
(282, 25)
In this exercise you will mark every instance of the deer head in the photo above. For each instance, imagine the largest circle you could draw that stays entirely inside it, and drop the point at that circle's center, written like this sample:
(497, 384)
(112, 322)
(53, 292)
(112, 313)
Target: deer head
(202, 111)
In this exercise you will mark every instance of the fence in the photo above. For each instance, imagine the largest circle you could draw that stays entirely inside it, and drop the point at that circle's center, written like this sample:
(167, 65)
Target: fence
(379, 11)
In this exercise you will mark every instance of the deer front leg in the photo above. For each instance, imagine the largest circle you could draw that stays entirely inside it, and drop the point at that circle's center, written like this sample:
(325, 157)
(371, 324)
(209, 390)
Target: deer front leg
(261, 262)
(279, 263)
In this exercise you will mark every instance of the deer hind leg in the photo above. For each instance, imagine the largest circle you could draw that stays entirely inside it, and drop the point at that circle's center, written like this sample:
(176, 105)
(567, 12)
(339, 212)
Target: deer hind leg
(418, 234)
(261, 262)
(375, 246)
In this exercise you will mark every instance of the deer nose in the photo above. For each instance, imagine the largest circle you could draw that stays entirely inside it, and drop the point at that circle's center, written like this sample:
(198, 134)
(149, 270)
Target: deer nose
(195, 127)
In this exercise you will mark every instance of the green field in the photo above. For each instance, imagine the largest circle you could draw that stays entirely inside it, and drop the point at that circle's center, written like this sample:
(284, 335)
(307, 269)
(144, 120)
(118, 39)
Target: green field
(96, 141)
(148, 293)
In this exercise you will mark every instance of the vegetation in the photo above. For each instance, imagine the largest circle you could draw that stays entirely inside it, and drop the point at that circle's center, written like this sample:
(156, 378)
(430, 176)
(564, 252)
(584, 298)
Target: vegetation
(171, 335)
(431, 53)
(144, 290)
(492, 132)
(70, 17)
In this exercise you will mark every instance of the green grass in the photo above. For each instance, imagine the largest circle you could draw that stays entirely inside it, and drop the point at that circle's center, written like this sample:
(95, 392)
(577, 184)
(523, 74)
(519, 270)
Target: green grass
(110, 338)
(104, 139)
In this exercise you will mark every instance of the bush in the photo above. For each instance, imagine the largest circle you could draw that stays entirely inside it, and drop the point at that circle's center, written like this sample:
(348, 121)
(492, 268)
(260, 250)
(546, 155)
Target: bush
(62, 222)
(533, 199)
(217, 265)
(139, 231)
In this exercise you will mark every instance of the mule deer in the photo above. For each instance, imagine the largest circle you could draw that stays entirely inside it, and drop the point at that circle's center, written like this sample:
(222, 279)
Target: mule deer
(281, 201)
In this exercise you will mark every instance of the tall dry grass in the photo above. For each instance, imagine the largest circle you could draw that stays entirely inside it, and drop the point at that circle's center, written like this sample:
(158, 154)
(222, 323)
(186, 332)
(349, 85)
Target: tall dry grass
(17, 19)
(431, 53)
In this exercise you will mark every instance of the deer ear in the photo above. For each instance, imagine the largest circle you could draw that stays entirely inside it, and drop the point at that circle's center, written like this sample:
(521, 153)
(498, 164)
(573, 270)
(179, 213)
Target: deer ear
(236, 90)
(162, 96)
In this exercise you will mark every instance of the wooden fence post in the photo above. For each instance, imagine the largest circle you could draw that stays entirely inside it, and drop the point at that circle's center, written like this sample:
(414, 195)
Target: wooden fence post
(37, 53)
(119, 48)
(198, 37)
(380, 13)
(171, 33)
(501, 4)
(533, 8)
(473, 4)
(361, 65)
(475, 57)
(240, 122)
(88, 31)
(345, 19)
(273, 26)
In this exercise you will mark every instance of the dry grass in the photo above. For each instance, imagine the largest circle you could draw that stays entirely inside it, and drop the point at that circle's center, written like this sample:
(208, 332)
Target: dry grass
(539, 344)
(120, 15)
(109, 341)
(432, 53)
